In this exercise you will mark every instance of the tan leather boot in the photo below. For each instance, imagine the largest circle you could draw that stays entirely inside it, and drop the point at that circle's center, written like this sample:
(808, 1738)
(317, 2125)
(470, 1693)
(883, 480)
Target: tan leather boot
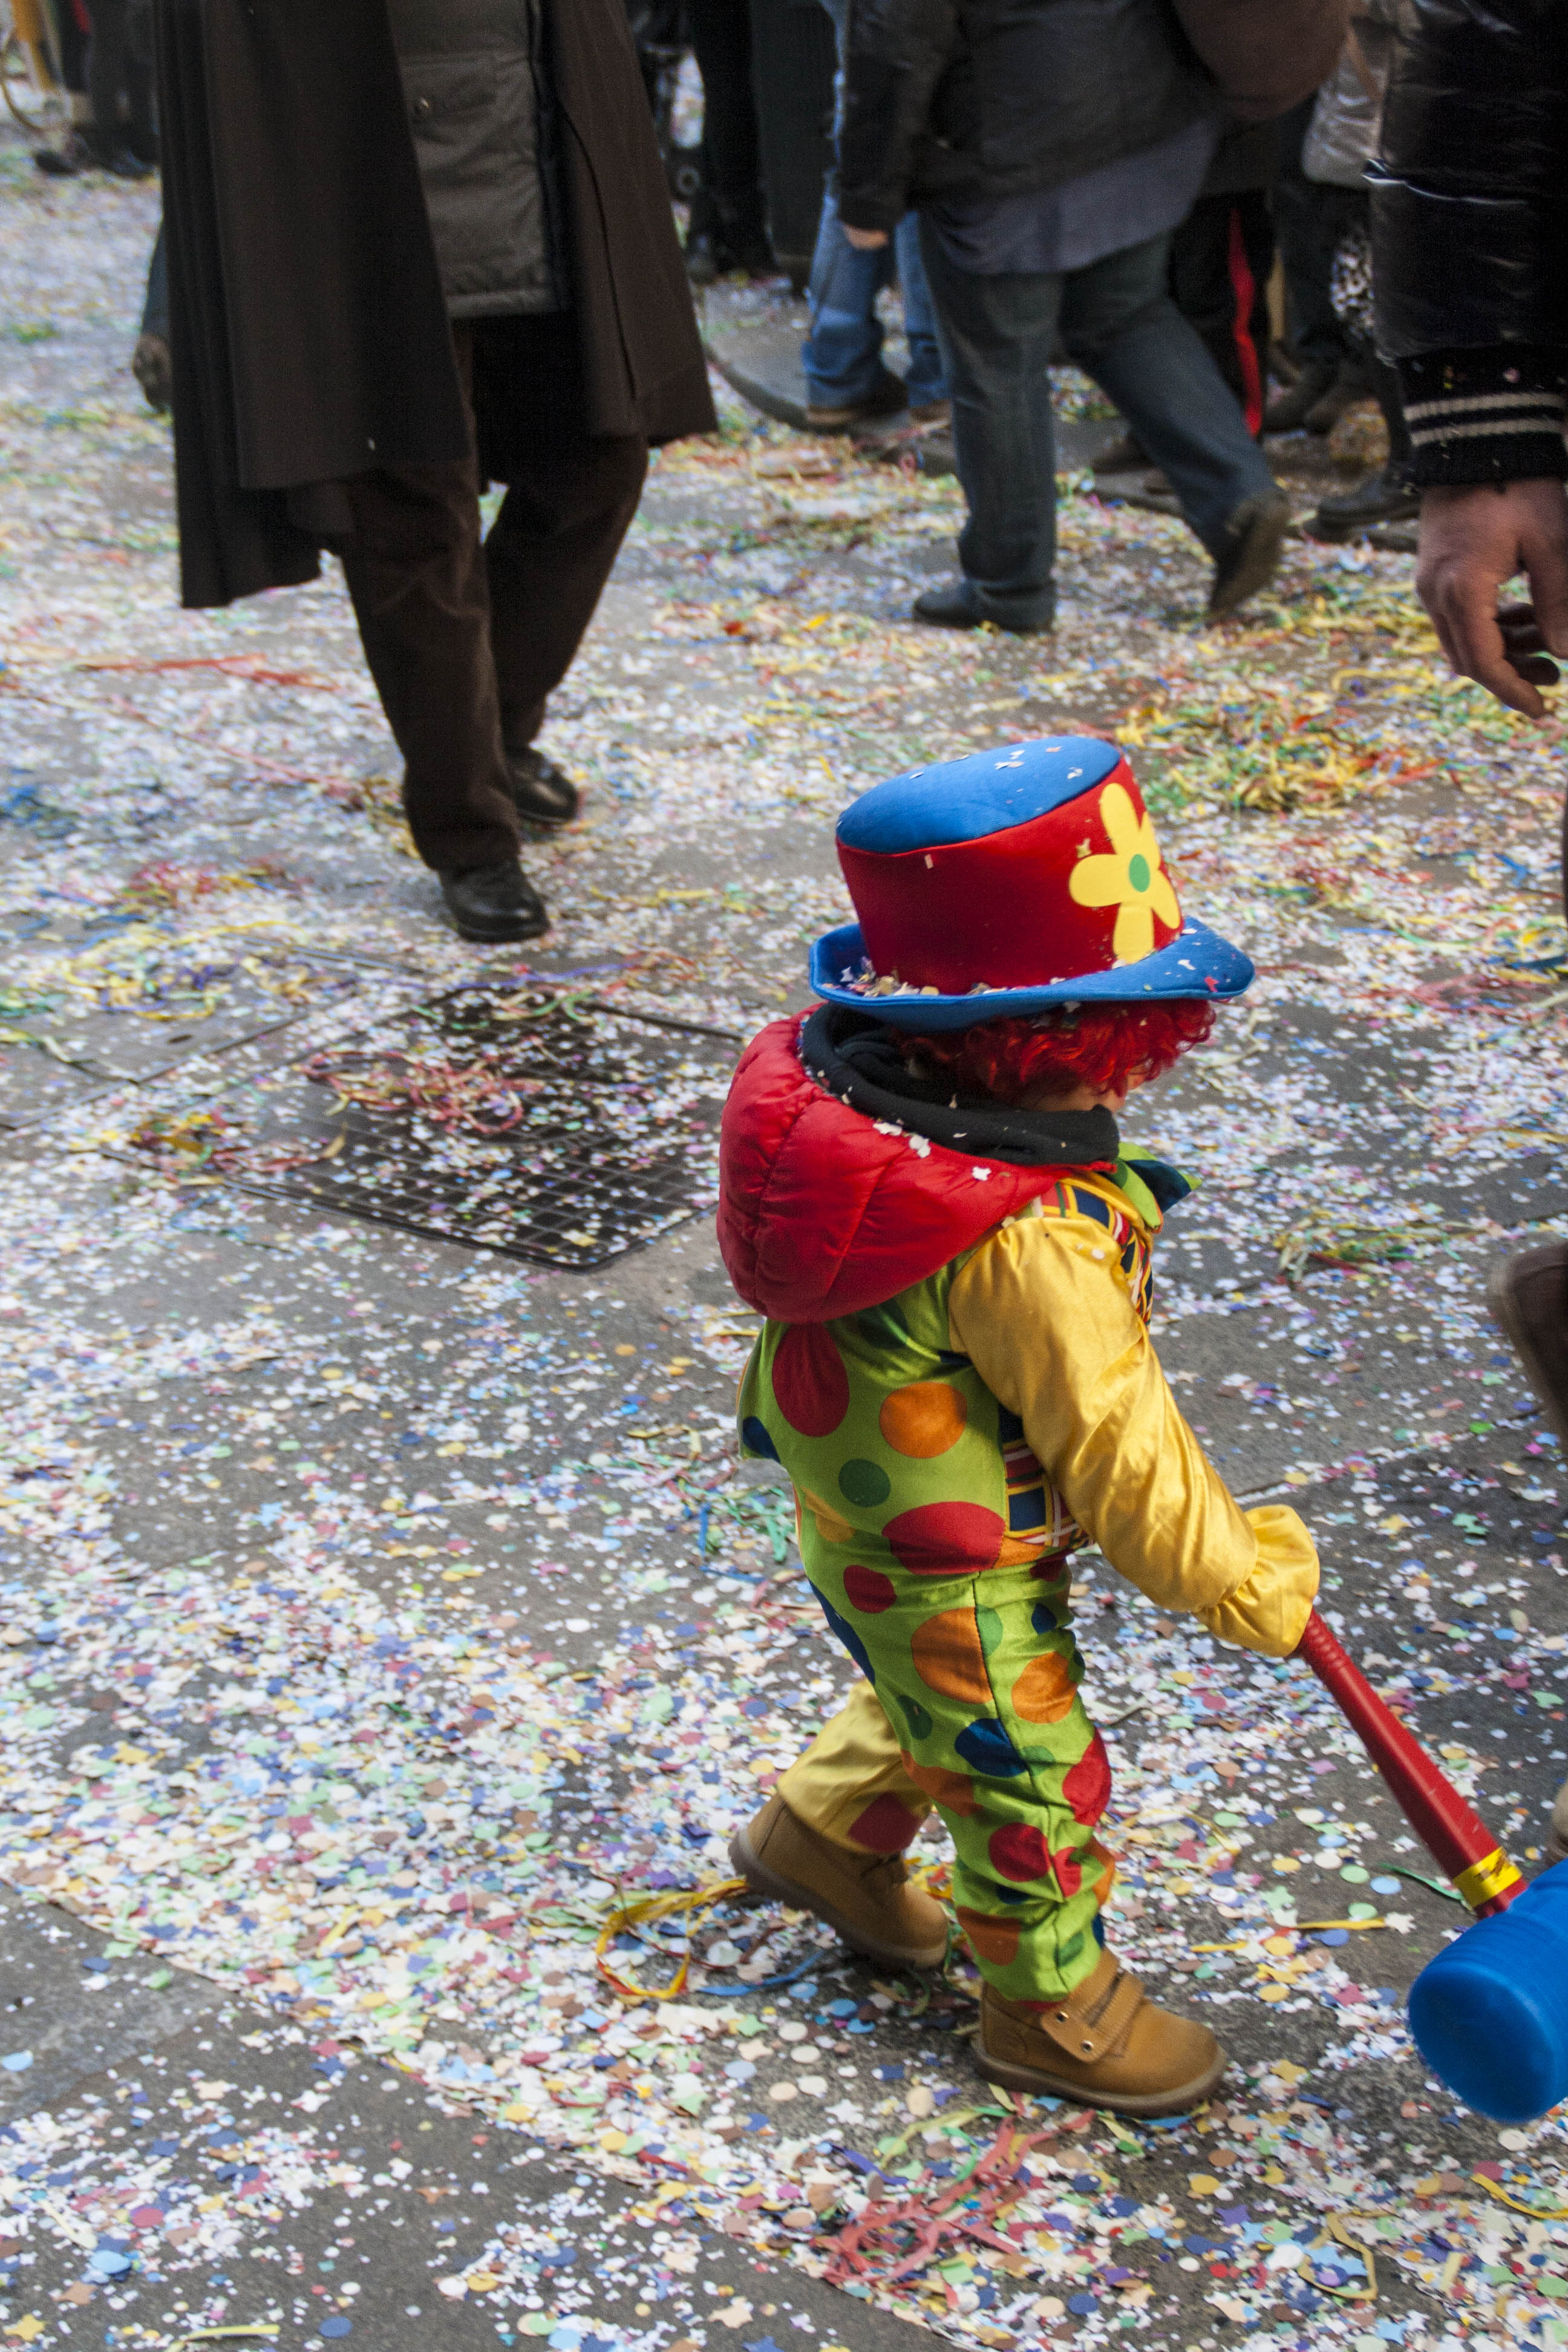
(866, 1897)
(1103, 2044)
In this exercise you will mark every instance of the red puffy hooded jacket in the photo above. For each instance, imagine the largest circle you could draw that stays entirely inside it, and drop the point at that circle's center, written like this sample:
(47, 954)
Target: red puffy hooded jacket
(824, 1212)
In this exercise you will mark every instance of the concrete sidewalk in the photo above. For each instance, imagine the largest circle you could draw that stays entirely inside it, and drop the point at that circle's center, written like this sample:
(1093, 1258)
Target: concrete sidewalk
(378, 1613)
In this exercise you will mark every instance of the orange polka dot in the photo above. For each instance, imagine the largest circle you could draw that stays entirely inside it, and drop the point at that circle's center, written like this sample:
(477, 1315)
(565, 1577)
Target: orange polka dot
(829, 1526)
(923, 1420)
(948, 1658)
(954, 1791)
(1045, 1690)
(1106, 1879)
(991, 1939)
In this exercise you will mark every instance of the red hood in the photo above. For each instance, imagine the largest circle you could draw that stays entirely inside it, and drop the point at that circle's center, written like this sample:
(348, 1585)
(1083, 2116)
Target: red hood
(823, 1213)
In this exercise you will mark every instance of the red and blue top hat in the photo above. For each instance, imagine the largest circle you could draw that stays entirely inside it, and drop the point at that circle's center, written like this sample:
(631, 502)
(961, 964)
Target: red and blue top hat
(1007, 882)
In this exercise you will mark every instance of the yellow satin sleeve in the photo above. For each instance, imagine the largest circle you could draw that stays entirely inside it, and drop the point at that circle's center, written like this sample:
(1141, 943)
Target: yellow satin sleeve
(1042, 1311)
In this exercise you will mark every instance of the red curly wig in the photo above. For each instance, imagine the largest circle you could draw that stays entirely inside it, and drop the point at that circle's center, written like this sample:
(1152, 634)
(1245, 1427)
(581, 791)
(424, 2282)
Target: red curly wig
(1109, 1048)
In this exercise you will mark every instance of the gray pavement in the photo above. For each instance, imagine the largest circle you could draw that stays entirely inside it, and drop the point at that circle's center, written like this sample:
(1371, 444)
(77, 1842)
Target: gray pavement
(377, 1612)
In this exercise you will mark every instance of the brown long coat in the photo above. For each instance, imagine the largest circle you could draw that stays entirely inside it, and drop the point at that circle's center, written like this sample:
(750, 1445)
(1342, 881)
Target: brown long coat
(309, 337)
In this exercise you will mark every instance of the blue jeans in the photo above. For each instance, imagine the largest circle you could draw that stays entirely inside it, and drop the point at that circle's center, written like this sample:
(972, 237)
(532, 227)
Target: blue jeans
(842, 355)
(1119, 325)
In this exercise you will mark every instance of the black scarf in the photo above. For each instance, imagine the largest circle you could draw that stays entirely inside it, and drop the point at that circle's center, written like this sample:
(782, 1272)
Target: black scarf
(854, 1057)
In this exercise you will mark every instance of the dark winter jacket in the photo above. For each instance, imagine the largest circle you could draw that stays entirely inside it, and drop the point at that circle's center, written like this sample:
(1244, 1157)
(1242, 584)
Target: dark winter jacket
(958, 100)
(1470, 236)
(481, 113)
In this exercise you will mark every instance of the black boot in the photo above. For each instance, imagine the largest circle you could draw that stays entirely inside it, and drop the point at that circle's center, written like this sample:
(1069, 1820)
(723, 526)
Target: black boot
(1353, 382)
(706, 259)
(1383, 496)
(541, 792)
(494, 902)
(1250, 555)
(1287, 413)
(1123, 455)
(959, 607)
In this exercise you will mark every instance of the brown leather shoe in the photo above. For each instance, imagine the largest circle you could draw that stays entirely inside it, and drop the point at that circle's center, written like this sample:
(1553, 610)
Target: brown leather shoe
(887, 397)
(866, 1897)
(1104, 2044)
(1529, 1297)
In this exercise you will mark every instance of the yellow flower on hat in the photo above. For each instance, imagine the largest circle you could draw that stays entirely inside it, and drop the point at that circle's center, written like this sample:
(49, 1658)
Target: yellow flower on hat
(1131, 877)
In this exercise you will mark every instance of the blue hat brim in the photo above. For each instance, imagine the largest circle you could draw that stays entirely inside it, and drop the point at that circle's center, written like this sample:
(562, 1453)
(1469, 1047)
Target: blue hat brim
(1198, 963)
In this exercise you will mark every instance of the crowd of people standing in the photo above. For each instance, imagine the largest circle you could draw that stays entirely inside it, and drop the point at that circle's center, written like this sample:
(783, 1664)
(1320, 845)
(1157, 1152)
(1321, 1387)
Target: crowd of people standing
(1114, 182)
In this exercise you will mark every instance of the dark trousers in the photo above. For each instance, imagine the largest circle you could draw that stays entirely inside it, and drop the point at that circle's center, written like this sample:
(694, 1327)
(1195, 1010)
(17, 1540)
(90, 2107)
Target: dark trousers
(1385, 382)
(1220, 259)
(1118, 322)
(467, 636)
(730, 204)
(1310, 218)
(119, 61)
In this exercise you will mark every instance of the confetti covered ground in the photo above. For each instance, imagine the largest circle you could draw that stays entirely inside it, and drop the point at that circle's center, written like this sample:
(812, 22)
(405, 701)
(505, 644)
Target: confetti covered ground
(390, 1638)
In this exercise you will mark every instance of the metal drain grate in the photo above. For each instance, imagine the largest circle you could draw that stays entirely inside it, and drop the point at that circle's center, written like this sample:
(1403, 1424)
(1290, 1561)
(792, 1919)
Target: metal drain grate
(538, 1124)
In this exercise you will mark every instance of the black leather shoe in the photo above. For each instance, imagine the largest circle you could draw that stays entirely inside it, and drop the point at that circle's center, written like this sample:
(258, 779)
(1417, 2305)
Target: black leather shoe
(541, 792)
(494, 902)
(704, 262)
(957, 608)
(153, 369)
(69, 161)
(1385, 497)
(1250, 555)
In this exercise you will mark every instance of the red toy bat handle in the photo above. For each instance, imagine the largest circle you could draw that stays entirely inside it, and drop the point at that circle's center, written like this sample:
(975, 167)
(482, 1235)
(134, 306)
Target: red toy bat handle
(1459, 1843)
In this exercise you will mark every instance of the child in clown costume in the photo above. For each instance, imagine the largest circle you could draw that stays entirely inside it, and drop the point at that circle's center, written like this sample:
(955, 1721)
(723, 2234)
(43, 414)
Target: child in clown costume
(924, 1193)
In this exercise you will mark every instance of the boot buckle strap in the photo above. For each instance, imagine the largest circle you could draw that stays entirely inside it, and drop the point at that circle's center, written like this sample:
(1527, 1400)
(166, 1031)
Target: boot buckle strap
(1072, 2032)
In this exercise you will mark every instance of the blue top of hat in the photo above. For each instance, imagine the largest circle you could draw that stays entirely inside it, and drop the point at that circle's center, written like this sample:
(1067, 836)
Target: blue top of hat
(966, 800)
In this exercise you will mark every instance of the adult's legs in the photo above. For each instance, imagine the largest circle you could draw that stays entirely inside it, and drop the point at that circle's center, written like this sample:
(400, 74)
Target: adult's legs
(731, 146)
(416, 572)
(1120, 324)
(569, 504)
(1307, 227)
(106, 73)
(1220, 259)
(156, 304)
(1386, 391)
(842, 354)
(926, 378)
(996, 335)
(551, 550)
(142, 138)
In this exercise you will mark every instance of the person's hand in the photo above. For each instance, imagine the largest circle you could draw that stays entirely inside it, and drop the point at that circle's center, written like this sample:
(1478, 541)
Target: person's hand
(1474, 538)
(865, 241)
